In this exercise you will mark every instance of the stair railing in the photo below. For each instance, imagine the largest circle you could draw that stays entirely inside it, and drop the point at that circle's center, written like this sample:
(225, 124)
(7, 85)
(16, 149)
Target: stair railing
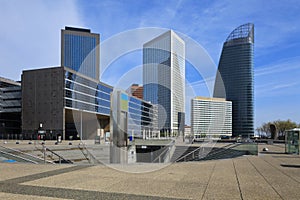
(87, 154)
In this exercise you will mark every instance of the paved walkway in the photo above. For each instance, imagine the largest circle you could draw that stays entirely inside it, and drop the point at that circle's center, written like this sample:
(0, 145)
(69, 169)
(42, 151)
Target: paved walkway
(248, 177)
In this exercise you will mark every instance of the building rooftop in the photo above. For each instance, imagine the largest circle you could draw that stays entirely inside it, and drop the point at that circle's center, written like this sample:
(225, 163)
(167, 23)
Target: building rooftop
(77, 29)
(4, 82)
(240, 35)
(210, 98)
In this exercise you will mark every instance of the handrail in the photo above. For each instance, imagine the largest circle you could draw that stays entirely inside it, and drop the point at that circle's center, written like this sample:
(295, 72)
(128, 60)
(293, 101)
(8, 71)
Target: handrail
(59, 156)
(223, 149)
(44, 149)
(170, 154)
(183, 157)
(89, 156)
(158, 157)
(171, 143)
(180, 158)
(10, 154)
(226, 147)
(27, 154)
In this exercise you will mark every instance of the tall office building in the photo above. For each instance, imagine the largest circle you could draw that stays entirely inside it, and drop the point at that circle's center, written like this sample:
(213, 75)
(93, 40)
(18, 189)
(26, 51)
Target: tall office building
(80, 51)
(67, 102)
(234, 79)
(164, 79)
(211, 117)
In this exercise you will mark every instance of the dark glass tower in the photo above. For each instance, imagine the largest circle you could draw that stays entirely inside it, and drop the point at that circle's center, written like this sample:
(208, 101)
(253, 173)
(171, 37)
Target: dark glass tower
(80, 51)
(234, 79)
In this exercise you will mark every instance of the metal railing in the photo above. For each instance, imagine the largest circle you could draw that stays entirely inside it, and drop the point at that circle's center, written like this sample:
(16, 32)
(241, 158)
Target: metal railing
(185, 156)
(159, 157)
(193, 153)
(60, 158)
(87, 154)
(25, 156)
(19, 157)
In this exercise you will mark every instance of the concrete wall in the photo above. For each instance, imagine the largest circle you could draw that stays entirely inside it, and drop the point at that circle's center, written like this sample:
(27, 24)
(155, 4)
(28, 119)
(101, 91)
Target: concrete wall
(42, 101)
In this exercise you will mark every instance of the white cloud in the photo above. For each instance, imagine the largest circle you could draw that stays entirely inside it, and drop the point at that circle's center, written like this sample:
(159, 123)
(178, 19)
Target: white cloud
(281, 78)
(30, 33)
(278, 67)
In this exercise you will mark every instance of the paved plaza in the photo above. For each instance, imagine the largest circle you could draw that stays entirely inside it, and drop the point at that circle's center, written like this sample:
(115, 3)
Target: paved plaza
(271, 175)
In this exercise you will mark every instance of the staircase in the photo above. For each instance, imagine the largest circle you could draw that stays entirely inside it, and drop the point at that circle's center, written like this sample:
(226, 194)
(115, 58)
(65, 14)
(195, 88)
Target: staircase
(185, 154)
(182, 151)
(223, 153)
(90, 153)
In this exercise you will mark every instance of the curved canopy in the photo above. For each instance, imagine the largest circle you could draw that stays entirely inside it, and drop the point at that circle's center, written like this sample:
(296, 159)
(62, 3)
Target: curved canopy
(242, 32)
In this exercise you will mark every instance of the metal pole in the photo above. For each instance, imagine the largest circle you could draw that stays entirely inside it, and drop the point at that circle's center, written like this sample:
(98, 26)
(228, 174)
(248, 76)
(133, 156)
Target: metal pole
(44, 149)
(81, 125)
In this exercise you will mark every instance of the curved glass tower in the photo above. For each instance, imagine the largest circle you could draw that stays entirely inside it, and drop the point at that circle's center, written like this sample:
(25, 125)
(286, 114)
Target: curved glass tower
(234, 79)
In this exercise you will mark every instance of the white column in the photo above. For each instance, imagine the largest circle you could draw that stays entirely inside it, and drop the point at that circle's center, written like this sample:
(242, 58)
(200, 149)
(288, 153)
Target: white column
(132, 135)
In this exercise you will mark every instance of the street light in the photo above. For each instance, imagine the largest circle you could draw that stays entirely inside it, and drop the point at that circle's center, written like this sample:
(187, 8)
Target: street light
(80, 124)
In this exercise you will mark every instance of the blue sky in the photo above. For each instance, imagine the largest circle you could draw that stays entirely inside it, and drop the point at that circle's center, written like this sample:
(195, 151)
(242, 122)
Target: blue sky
(30, 38)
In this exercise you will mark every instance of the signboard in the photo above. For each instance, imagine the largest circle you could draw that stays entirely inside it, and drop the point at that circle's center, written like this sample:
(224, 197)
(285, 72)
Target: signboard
(41, 131)
(124, 102)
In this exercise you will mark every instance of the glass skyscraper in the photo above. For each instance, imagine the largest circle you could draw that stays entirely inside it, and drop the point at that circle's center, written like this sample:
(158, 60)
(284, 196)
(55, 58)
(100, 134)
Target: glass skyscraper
(163, 79)
(234, 79)
(80, 51)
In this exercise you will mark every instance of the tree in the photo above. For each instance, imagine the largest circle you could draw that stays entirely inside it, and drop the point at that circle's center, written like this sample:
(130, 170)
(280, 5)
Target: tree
(283, 126)
(265, 128)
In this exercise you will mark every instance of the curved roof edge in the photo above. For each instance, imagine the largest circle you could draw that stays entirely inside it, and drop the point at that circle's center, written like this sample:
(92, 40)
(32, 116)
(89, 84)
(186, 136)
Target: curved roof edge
(245, 31)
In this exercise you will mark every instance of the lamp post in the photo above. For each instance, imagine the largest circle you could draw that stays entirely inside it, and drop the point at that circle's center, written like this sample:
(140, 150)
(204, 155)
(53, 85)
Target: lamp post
(81, 125)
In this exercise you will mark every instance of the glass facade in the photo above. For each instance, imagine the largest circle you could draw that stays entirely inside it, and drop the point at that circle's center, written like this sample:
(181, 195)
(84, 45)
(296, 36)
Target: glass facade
(86, 95)
(10, 109)
(292, 141)
(10, 98)
(234, 80)
(141, 117)
(80, 51)
(163, 78)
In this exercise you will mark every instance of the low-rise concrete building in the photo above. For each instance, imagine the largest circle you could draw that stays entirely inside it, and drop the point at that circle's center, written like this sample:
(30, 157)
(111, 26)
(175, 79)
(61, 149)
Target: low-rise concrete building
(211, 117)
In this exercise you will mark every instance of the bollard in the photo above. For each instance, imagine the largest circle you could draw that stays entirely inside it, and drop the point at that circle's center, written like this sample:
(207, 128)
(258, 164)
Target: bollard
(44, 150)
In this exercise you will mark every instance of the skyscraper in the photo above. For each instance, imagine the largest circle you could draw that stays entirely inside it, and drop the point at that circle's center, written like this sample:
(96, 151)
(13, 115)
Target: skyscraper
(163, 79)
(234, 79)
(80, 51)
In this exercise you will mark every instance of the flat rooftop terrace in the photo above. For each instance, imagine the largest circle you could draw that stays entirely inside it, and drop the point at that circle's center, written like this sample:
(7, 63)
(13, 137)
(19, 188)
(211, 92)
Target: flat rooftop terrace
(271, 175)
